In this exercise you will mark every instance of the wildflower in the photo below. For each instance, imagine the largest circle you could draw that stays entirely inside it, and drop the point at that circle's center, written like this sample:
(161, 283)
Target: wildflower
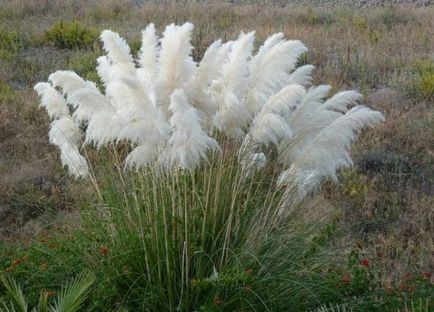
(249, 271)
(16, 262)
(104, 250)
(346, 279)
(426, 275)
(217, 300)
(44, 266)
(365, 262)
(49, 293)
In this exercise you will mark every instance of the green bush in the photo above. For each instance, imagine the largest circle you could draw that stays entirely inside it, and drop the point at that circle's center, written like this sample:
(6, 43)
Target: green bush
(418, 83)
(71, 35)
(11, 43)
(6, 92)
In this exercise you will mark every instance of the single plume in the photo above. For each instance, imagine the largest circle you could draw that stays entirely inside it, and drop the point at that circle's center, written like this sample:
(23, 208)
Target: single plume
(166, 110)
(188, 143)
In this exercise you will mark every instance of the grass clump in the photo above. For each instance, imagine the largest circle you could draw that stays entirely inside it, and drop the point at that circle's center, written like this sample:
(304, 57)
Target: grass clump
(11, 43)
(72, 35)
(6, 92)
(418, 83)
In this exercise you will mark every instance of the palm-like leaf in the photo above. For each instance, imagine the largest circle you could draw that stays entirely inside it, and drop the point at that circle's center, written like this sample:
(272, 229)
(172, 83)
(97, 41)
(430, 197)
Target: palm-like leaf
(15, 293)
(74, 293)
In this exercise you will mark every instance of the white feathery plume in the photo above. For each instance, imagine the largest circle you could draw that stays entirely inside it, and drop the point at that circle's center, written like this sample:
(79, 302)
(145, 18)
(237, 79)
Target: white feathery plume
(64, 131)
(229, 90)
(148, 62)
(188, 143)
(208, 70)
(270, 124)
(301, 76)
(141, 156)
(175, 63)
(162, 107)
(83, 95)
(103, 128)
(270, 68)
(329, 150)
(103, 69)
(76, 163)
(254, 161)
(304, 181)
(148, 52)
(51, 100)
(65, 134)
(342, 100)
(118, 52)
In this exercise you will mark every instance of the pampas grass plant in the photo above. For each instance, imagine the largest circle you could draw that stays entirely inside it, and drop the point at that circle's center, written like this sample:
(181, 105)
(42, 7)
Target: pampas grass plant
(210, 164)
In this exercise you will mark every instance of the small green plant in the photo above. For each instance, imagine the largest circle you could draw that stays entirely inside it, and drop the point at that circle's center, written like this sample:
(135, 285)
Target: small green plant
(425, 70)
(70, 298)
(10, 43)
(313, 17)
(6, 92)
(71, 35)
(418, 83)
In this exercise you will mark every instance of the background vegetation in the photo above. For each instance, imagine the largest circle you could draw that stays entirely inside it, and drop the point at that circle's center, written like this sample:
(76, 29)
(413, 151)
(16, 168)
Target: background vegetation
(381, 216)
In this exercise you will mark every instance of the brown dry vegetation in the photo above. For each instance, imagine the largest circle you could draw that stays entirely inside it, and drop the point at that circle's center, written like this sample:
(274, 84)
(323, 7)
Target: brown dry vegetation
(385, 203)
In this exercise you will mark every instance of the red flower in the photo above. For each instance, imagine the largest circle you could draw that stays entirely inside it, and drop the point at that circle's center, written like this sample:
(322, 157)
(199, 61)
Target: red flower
(365, 262)
(426, 275)
(104, 250)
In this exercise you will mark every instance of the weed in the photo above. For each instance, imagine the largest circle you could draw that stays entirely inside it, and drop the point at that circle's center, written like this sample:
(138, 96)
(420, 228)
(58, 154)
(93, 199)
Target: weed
(72, 35)
(6, 93)
(11, 43)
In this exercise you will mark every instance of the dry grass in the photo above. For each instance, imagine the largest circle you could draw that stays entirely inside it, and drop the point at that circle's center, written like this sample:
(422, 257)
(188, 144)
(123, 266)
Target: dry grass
(387, 201)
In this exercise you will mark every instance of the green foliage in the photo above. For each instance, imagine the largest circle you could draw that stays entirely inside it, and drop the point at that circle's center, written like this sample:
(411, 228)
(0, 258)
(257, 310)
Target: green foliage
(6, 93)
(11, 43)
(70, 298)
(425, 70)
(418, 83)
(313, 17)
(366, 289)
(212, 239)
(72, 35)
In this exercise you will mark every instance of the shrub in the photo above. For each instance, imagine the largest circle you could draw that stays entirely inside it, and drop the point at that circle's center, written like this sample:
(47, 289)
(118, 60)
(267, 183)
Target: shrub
(11, 43)
(70, 35)
(224, 152)
(418, 83)
(6, 92)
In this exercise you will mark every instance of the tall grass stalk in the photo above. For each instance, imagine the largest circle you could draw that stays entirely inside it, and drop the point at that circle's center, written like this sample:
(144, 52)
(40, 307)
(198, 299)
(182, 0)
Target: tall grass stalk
(212, 238)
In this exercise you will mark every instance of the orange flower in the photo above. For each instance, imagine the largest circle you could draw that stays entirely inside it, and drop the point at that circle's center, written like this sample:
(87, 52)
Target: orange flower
(50, 293)
(104, 250)
(43, 266)
(346, 279)
(249, 271)
(365, 262)
(16, 262)
(217, 300)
